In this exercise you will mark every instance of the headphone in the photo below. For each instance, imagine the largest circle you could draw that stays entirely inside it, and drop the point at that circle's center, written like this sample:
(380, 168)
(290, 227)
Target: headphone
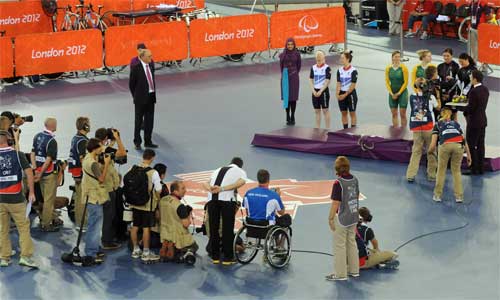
(86, 127)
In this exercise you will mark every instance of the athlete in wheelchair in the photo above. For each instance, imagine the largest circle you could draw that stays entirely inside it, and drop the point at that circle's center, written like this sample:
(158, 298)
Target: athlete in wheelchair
(266, 226)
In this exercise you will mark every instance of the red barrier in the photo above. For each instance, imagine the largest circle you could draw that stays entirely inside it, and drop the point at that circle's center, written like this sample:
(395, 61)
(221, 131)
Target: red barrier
(489, 44)
(167, 41)
(7, 58)
(58, 52)
(228, 35)
(308, 27)
(23, 18)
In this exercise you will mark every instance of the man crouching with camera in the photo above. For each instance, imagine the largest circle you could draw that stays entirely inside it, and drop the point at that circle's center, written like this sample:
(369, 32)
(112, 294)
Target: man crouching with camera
(175, 220)
(108, 138)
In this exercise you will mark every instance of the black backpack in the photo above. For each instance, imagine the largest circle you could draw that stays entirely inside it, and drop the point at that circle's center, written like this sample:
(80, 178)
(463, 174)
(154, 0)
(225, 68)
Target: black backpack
(135, 186)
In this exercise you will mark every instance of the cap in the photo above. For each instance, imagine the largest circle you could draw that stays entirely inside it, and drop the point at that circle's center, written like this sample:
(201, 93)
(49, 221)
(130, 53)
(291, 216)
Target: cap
(141, 46)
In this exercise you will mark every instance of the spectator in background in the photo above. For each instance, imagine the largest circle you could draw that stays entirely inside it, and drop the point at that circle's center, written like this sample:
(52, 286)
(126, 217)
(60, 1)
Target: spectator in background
(475, 113)
(291, 61)
(44, 157)
(423, 11)
(447, 72)
(490, 16)
(477, 10)
(425, 57)
(467, 65)
(451, 150)
(396, 80)
(342, 219)
(394, 9)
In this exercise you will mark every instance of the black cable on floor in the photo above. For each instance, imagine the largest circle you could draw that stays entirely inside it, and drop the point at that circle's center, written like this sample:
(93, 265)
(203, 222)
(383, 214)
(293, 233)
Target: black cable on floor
(312, 252)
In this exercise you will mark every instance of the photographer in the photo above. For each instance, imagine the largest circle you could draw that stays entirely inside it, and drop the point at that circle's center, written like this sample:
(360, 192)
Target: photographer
(431, 74)
(108, 138)
(422, 104)
(44, 157)
(175, 221)
(221, 190)
(13, 203)
(76, 154)
(5, 125)
(95, 194)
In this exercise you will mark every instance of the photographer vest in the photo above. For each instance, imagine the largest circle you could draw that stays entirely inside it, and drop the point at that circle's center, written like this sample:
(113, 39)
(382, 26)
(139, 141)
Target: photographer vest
(449, 132)
(91, 187)
(420, 113)
(74, 162)
(171, 224)
(40, 146)
(348, 211)
(112, 179)
(11, 175)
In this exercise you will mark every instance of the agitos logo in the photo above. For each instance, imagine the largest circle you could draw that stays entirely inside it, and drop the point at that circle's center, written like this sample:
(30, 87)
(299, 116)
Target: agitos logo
(308, 23)
(293, 193)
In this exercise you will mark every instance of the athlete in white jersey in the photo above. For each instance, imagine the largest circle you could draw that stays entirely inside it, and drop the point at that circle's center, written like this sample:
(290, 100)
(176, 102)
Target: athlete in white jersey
(347, 76)
(319, 80)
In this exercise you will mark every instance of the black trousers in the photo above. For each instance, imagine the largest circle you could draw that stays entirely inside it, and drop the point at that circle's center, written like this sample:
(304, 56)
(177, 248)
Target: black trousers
(108, 216)
(475, 140)
(146, 113)
(216, 210)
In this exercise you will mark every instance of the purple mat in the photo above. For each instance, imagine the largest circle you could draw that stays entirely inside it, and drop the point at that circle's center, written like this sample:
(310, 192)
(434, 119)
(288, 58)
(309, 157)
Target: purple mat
(368, 141)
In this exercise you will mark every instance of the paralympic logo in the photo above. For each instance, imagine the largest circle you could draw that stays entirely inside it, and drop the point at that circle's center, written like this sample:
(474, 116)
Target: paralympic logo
(308, 23)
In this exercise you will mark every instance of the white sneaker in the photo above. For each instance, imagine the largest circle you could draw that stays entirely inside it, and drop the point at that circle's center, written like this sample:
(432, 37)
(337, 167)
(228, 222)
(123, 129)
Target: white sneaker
(459, 200)
(436, 198)
(410, 34)
(354, 275)
(149, 257)
(333, 277)
(424, 36)
(137, 253)
(28, 262)
(4, 262)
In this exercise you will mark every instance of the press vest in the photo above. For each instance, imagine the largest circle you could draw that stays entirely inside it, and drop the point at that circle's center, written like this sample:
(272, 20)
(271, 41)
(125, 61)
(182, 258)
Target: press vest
(171, 224)
(11, 173)
(41, 143)
(112, 179)
(420, 115)
(348, 211)
(449, 132)
(91, 187)
(74, 163)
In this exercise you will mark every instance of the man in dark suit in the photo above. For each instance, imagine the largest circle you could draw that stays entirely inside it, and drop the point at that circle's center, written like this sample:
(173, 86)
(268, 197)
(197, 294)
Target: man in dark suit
(143, 89)
(475, 113)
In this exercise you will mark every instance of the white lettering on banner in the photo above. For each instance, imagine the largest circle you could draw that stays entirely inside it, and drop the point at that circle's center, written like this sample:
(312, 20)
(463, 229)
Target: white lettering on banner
(494, 45)
(185, 4)
(223, 36)
(8, 178)
(70, 50)
(308, 23)
(30, 18)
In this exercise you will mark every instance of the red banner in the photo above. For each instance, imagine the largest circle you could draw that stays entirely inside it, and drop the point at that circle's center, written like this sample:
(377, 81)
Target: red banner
(308, 27)
(58, 52)
(23, 18)
(7, 58)
(228, 35)
(489, 44)
(167, 41)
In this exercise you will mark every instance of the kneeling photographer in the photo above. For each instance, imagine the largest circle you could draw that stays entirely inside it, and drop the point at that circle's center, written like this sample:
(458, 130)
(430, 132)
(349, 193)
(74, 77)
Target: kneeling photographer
(178, 242)
(109, 138)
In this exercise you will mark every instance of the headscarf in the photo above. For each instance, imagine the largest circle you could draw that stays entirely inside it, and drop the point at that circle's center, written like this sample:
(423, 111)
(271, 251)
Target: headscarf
(289, 53)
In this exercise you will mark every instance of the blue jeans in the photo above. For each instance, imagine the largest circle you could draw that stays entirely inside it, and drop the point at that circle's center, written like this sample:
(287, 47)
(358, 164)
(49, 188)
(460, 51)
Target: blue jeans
(94, 228)
(425, 21)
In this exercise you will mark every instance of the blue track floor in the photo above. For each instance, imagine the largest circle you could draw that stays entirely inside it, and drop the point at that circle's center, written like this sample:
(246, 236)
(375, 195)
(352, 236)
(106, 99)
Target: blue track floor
(203, 119)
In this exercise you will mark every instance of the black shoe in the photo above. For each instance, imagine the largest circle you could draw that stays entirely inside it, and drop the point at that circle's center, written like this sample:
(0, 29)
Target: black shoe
(292, 122)
(111, 246)
(50, 228)
(467, 172)
(288, 123)
(138, 147)
(150, 145)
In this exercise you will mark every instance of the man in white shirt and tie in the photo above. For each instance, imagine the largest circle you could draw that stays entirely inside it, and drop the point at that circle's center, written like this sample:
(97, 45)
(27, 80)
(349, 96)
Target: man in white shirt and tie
(143, 89)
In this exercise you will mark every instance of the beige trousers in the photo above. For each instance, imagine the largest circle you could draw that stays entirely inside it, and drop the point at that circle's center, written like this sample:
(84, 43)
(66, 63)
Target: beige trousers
(345, 250)
(79, 204)
(376, 257)
(48, 185)
(455, 153)
(394, 12)
(421, 142)
(18, 213)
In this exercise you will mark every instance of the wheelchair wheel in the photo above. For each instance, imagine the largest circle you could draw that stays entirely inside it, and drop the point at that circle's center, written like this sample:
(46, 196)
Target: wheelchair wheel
(463, 30)
(278, 249)
(250, 246)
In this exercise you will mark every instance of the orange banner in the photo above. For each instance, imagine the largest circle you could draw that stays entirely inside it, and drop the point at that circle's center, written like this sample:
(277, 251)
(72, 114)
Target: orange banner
(228, 35)
(489, 44)
(167, 41)
(23, 18)
(184, 4)
(58, 52)
(308, 27)
(7, 58)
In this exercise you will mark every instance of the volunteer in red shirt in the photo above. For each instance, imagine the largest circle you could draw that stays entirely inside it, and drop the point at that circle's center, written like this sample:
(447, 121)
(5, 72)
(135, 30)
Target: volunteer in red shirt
(423, 11)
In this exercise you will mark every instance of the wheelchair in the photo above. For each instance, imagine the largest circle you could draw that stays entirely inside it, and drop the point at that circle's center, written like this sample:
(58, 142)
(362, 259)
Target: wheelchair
(257, 235)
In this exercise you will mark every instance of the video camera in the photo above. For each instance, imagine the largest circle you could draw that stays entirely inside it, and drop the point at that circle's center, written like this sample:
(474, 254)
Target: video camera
(112, 153)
